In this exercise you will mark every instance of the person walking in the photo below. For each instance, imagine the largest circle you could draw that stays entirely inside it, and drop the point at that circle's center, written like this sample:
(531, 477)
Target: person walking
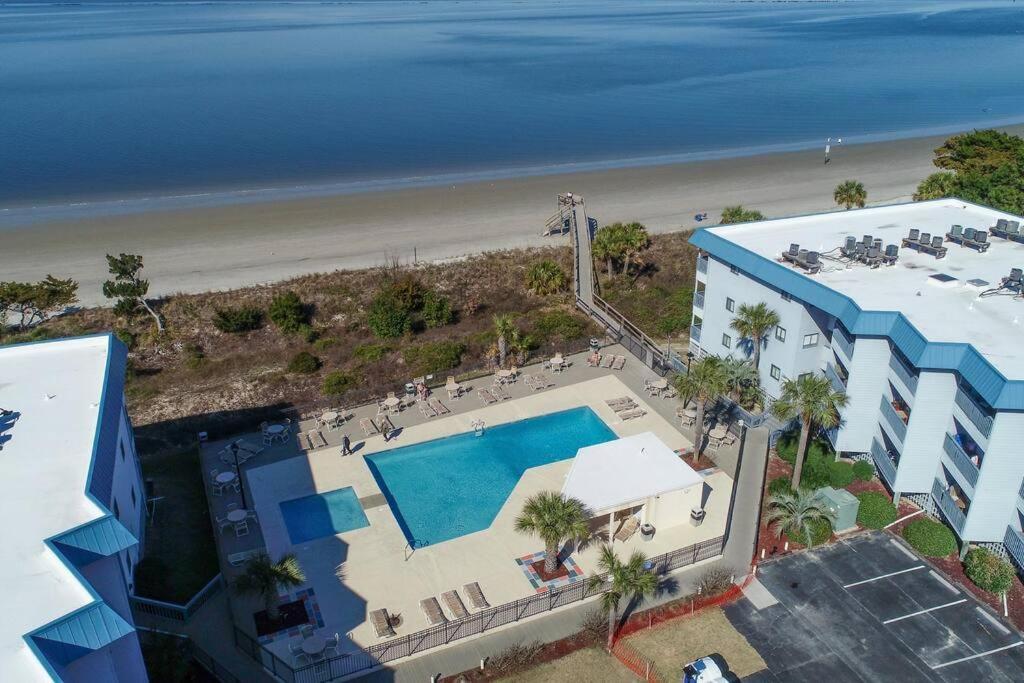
(346, 445)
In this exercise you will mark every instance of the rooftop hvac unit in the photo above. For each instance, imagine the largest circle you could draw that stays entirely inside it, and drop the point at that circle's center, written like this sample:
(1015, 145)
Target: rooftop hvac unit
(915, 235)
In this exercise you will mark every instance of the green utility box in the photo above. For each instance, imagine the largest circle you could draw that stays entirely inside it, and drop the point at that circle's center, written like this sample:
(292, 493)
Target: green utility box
(843, 504)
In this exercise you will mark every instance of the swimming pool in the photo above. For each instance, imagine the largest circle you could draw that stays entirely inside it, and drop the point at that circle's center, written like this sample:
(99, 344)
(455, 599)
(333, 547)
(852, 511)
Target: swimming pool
(450, 487)
(323, 514)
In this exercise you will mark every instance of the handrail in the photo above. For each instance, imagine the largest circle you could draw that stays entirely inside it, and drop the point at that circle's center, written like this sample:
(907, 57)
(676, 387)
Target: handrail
(702, 263)
(903, 372)
(898, 426)
(883, 463)
(950, 511)
(174, 611)
(963, 463)
(973, 412)
(698, 299)
(840, 339)
(833, 376)
(695, 333)
(1014, 542)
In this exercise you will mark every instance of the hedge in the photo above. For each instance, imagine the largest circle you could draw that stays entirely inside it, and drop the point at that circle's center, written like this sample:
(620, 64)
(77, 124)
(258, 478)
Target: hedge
(821, 531)
(304, 363)
(988, 571)
(786, 447)
(930, 538)
(875, 511)
(288, 312)
(840, 474)
(863, 470)
(237, 320)
(779, 485)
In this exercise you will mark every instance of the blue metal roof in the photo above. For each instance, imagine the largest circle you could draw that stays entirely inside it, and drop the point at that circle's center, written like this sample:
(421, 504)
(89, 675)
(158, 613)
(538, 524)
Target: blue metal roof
(101, 475)
(80, 633)
(100, 538)
(998, 391)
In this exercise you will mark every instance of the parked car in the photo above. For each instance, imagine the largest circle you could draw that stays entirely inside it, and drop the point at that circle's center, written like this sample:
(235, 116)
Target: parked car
(704, 670)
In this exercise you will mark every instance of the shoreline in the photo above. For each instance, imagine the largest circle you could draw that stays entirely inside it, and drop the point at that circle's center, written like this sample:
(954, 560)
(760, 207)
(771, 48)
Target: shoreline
(224, 247)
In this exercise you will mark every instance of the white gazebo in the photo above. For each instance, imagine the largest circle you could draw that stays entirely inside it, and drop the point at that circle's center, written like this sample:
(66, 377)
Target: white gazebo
(631, 472)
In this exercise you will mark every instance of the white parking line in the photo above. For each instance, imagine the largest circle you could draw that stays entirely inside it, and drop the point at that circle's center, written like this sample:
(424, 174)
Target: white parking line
(980, 654)
(925, 611)
(899, 546)
(992, 620)
(941, 580)
(884, 576)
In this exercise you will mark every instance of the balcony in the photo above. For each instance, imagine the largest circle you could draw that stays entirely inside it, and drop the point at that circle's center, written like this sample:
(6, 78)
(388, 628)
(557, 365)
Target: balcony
(833, 376)
(883, 462)
(961, 460)
(702, 264)
(840, 340)
(698, 300)
(953, 514)
(974, 413)
(908, 378)
(1014, 543)
(894, 420)
(695, 333)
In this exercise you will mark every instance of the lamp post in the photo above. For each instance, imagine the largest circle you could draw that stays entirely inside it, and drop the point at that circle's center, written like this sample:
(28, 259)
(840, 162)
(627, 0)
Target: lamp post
(689, 357)
(238, 473)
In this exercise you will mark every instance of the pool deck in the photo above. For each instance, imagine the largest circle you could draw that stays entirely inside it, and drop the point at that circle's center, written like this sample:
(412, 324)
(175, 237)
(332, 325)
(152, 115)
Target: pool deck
(376, 566)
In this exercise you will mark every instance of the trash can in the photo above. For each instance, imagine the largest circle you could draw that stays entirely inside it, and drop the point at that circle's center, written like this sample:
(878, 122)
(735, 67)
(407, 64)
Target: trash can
(595, 345)
(697, 516)
(410, 389)
(647, 531)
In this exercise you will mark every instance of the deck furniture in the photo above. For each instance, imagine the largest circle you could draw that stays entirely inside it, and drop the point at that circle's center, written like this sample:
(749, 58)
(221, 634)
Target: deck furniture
(455, 605)
(476, 596)
(486, 396)
(368, 426)
(426, 410)
(331, 644)
(385, 425)
(432, 611)
(439, 407)
(223, 523)
(239, 559)
(382, 623)
(499, 393)
(607, 360)
(303, 441)
(627, 528)
(618, 403)
(316, 439)
(632, 414)
(619, 362)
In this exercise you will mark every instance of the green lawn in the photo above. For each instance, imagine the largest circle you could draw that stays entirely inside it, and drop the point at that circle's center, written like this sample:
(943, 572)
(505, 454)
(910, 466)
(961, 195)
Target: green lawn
(592, 664)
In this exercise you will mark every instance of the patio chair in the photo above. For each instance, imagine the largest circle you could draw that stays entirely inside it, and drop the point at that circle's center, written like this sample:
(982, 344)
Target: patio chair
(455, 605)
(300, 659)
(594, 360)
(627, 528)
(306, 631)
(216, 488)
(239, 559)
(382, 623)
(295, 647)
(486, 396)
(500, 393)
(432, 611)
(381, 408)
(241, 528)
(670, 392)
(607, 360)
(613, 403)
(232, 507)
(223, 523)
(515, 373)
(544, 380)
(529, 381)
(619, 363)
(331, 648)
(426, 410)
(303, 441)
(369, 428)
(476, 596)
(439, 408)
(385, 425)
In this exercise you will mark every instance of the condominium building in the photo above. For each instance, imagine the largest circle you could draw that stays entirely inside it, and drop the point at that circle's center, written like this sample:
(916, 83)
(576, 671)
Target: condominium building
(916, 312)
(72, 507)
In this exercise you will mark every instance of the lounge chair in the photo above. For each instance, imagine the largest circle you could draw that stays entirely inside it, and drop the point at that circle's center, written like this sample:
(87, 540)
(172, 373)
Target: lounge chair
(317, 438)
(624, 403)
(239, 559)
(632, 414)
(369, 428)
(607, 360)
(432, 611)
(627, 529)
(529, 381)
(500, 393)
(439, 407)
(619, 363)
(626, 407)
(543, 380)
(670, 392)
(382, 623)
(303, 441)
(455, 604)
(486, 396)
(426, 410)
(476, 596)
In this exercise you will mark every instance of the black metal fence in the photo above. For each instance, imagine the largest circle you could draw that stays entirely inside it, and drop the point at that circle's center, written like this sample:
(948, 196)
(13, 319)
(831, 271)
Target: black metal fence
(475, 624)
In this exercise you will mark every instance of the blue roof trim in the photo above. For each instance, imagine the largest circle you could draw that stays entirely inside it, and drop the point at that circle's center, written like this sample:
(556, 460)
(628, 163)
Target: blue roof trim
(80, 633)
(998, 391)
(100, 538)
(101, 473)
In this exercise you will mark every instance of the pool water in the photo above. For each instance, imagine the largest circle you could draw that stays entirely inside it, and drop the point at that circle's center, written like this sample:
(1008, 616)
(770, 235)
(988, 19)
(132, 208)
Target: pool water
(323, 514)
(450, 487)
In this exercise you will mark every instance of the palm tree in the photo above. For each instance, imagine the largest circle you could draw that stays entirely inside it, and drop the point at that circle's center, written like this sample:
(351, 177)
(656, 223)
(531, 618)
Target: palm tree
(628, 579)
(705, 381)
(850, 193)
(738, 374)
(812, 399)
(554, 518)
(634, 240)
(545, 277)
(754, 323)
(796, 514)
(608, 245)
(505, 329)
(263, 579)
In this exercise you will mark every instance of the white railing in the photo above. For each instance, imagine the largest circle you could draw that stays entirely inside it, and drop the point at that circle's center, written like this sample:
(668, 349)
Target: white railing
(833, 376)
(899, 427)
(883, 463)
(908, 378)
(1014, 542)
(702, 264)
(974, 413)
(960, 459)
(698, 299)
(954, 515)
(695, 332)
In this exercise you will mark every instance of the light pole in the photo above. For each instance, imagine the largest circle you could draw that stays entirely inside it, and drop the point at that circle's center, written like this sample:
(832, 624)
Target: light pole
(238, 473)
(689, 357)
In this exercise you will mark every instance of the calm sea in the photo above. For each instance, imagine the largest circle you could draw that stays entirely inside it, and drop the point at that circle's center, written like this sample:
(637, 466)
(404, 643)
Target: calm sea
(114, 101)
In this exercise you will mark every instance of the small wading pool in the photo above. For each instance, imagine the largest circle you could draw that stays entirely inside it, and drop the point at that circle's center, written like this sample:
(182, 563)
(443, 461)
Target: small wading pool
(323, 514)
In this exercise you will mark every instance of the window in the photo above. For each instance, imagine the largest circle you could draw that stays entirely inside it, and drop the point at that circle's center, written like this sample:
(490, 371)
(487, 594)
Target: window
(776, 372)
(135, 503)
(730, 305)
(810, 340)
(804, 374)
(780, 333)
(726, 341)
(120, 445)
(734, 270)
(786, 296)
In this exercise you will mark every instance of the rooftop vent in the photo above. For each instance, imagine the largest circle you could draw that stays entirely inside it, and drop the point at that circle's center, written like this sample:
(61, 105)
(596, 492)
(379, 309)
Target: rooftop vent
(802, 258)
(868, 250)
(1008, 230)
(923, 243)
(968, 237)
(942, 280)
(1011, 285)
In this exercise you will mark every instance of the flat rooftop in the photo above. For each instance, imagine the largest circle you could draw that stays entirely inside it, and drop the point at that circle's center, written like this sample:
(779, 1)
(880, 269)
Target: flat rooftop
(55, 390)
(953, 312)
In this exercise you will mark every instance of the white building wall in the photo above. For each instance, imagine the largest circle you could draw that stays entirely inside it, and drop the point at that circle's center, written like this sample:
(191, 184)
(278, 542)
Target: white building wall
(868, 371)
(999, 479)
(129, 495)
(926, 431)
(673, 508)
(107, 577)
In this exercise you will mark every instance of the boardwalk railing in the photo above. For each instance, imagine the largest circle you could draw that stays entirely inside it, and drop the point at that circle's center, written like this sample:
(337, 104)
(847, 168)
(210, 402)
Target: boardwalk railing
(475, 624)
(173, 611)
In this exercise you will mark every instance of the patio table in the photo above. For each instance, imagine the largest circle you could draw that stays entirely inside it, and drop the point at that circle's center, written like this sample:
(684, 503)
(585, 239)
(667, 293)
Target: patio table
(238, 515)
(225, 477)
(329, 417)
(660, 384)
(314, 645)
(690, 412)
(718, 433)
(392, 402)
(275, 429)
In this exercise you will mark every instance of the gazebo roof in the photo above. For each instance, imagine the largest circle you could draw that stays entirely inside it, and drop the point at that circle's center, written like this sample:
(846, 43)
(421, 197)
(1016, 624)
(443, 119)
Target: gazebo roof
(629, 470)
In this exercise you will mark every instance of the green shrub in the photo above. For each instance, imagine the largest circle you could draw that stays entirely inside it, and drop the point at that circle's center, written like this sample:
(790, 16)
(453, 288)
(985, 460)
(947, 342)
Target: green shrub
(127, 337)
(817, 472)
(433, 357)
(779, 485)
(304, 363)
(388, 318)
(988, 571)
(437, 310)
(237, 320)
(288, 312)
(840, 474)
(324, 343)
(337, 383)
(875, 511)
(930, 538)
(821, 531)
(545, 278)
(863, 470)
(407, 292)
(370, 353)
(309, 333)
(194, 356)
(558, 325)
(786, 447)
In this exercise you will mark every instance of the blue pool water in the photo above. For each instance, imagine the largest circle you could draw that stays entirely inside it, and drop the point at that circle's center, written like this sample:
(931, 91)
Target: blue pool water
(446, 488)
(323, 514)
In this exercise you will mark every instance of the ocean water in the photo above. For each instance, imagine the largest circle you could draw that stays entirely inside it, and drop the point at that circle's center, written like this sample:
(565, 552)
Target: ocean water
(442, 489)
(107, 101)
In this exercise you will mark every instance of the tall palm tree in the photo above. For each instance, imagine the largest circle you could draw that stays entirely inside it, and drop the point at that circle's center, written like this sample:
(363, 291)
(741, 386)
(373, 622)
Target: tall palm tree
(505, 329)
(609, 245)
(754, 322)
(796, 513)
(264, 578)
(628, 579)
(739, 374)
(705, 381)
(812, 399)
(850, 193)
(554, 518)
(634, 240)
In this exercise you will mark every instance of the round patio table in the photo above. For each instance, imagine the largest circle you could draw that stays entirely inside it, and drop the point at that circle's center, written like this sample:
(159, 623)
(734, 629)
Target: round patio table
(237, 515)
(392, 402)
(504, 374)
(225, 477)
(275, 429)
(313, 645)
(718, 433)
(690, 412)
(329, 417)
(660, 384)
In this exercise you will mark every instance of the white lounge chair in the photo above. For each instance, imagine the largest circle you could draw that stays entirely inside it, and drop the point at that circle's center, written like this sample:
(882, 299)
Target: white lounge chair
(239, 559)
(476, 596)
(382, 623)
(486, 395)
(432, 611)
(455, 605)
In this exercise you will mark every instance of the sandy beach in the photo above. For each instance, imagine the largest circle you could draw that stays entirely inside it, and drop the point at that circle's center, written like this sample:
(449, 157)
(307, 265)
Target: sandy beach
(230, 246)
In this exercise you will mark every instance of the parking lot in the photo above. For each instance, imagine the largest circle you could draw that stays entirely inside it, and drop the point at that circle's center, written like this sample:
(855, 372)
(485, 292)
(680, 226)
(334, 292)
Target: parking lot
(868, 609)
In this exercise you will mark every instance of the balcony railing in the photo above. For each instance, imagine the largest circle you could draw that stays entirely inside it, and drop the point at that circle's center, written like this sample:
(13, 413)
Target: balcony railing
(899, 428)
(883, 463)
(839, 339)
(833, 376)
(702, 264)
(963, 463)
(698, 300)
(695, 333)
(954, 515)
(908, 378)
(1014, 542)
(975, 414)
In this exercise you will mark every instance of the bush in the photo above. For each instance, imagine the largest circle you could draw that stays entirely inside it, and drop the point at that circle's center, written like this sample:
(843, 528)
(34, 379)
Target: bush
(817, 472)
(840, 474)
(288, 312)
(779, 485)
(677, 313)
(930, 538)
(988, 571)
(407, 291)
(875, 511)
(863, 470)
(545, 277)
(786, 447)
(127, 337)
(437, 310)
(370, 353)
(304, 363)
(821, 531)
(714, 581)
(432, 357)
(324, 343)
(194, 356)
(388, 318)
(515, 657)
(594, 625)
(558, 325)
(337, 383)
(237, 320)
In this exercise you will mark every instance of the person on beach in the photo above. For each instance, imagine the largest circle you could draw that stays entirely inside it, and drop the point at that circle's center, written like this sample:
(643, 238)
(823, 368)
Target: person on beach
(346, 445)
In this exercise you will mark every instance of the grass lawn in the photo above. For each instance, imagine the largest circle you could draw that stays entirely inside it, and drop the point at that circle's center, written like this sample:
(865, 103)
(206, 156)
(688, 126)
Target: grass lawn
(180, 538)
(676, 643)
(591, 664)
